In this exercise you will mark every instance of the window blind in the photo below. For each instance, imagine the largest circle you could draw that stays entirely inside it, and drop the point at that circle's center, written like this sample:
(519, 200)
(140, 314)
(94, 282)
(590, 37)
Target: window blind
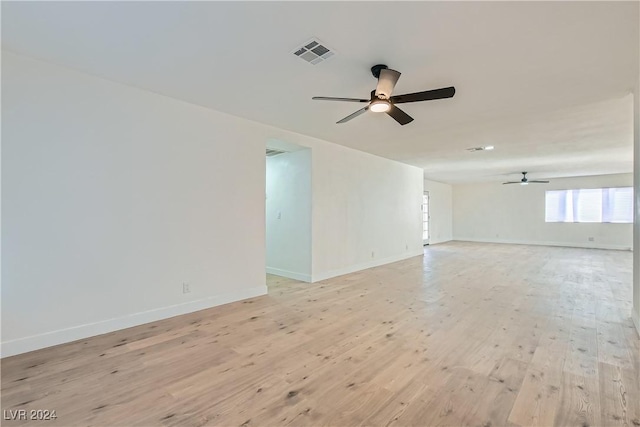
(590, 205)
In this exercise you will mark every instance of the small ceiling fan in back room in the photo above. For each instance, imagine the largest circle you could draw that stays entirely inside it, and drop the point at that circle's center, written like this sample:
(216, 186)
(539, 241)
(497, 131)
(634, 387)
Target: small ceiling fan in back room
(381, 100)
(525, 181)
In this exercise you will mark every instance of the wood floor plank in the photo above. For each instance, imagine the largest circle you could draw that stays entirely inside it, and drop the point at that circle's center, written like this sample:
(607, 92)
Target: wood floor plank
(619, 389)
(496, 399)
(537, 402)
(469, 334)
(579, 402)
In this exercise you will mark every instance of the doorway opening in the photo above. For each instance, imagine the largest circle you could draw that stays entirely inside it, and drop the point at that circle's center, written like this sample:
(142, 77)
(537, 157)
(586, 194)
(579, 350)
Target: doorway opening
(425, 218)
(288, 211)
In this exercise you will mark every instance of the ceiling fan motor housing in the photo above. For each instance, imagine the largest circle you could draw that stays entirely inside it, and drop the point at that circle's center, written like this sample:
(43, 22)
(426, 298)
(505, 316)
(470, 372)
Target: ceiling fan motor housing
(375, 70)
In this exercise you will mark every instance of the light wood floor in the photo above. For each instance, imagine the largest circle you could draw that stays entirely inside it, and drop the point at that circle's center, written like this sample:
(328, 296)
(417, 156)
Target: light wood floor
(473, 334)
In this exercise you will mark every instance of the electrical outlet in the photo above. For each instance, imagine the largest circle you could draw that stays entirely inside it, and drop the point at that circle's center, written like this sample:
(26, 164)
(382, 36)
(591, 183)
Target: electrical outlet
(591, 239)
(279, 215)
(373, 254)
(186, 288)
(406, 246)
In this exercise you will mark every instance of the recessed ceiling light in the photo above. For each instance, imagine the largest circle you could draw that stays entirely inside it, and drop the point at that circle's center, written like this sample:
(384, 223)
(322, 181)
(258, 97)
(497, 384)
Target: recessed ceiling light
(486, 148)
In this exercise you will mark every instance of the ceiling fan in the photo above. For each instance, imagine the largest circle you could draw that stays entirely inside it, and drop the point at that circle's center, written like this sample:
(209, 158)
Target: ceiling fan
(381, 100)
(525, 181)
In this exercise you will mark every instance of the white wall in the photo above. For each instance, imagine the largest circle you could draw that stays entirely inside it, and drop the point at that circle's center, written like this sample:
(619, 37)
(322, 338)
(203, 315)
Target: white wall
(288, 215)
(366, 211)
(440, 211)
(113, 197)
(492, 212)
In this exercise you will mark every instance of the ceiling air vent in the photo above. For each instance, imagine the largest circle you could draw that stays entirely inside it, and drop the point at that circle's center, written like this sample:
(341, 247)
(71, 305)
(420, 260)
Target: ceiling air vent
(314, 52)
(271, 152)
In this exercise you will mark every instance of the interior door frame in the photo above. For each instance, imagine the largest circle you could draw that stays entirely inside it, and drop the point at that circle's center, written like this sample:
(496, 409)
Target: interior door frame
(426, 241)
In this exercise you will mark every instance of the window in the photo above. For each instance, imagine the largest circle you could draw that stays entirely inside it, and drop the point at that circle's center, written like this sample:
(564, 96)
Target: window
(590, 205)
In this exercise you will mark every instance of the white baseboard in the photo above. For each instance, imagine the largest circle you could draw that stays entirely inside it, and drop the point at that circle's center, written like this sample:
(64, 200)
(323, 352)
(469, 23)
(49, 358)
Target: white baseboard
(289, 274)
(589, 245)
(364, 265)
(35, 342)
(435, 242)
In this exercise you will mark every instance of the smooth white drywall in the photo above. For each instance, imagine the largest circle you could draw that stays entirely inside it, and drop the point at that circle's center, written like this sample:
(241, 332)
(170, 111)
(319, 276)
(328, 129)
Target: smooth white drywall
(288, 215)
(114, 196)
(440, 211)
(516, 214)
(366, 211)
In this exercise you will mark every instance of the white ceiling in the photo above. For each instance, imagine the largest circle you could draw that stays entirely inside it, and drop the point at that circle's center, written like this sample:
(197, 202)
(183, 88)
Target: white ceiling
(546, 83)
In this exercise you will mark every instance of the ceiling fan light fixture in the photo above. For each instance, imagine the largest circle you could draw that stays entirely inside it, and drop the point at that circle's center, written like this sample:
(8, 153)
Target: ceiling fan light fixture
(380, 106)
(381, 100)
(524, 183)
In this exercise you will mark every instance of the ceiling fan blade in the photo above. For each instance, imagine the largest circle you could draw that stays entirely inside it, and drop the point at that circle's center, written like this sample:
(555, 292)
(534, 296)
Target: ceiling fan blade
(539, 182)
(354, 115)
(512, 182)
(427, 95)
(330, 98)
(386, 82)
(399, 115)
